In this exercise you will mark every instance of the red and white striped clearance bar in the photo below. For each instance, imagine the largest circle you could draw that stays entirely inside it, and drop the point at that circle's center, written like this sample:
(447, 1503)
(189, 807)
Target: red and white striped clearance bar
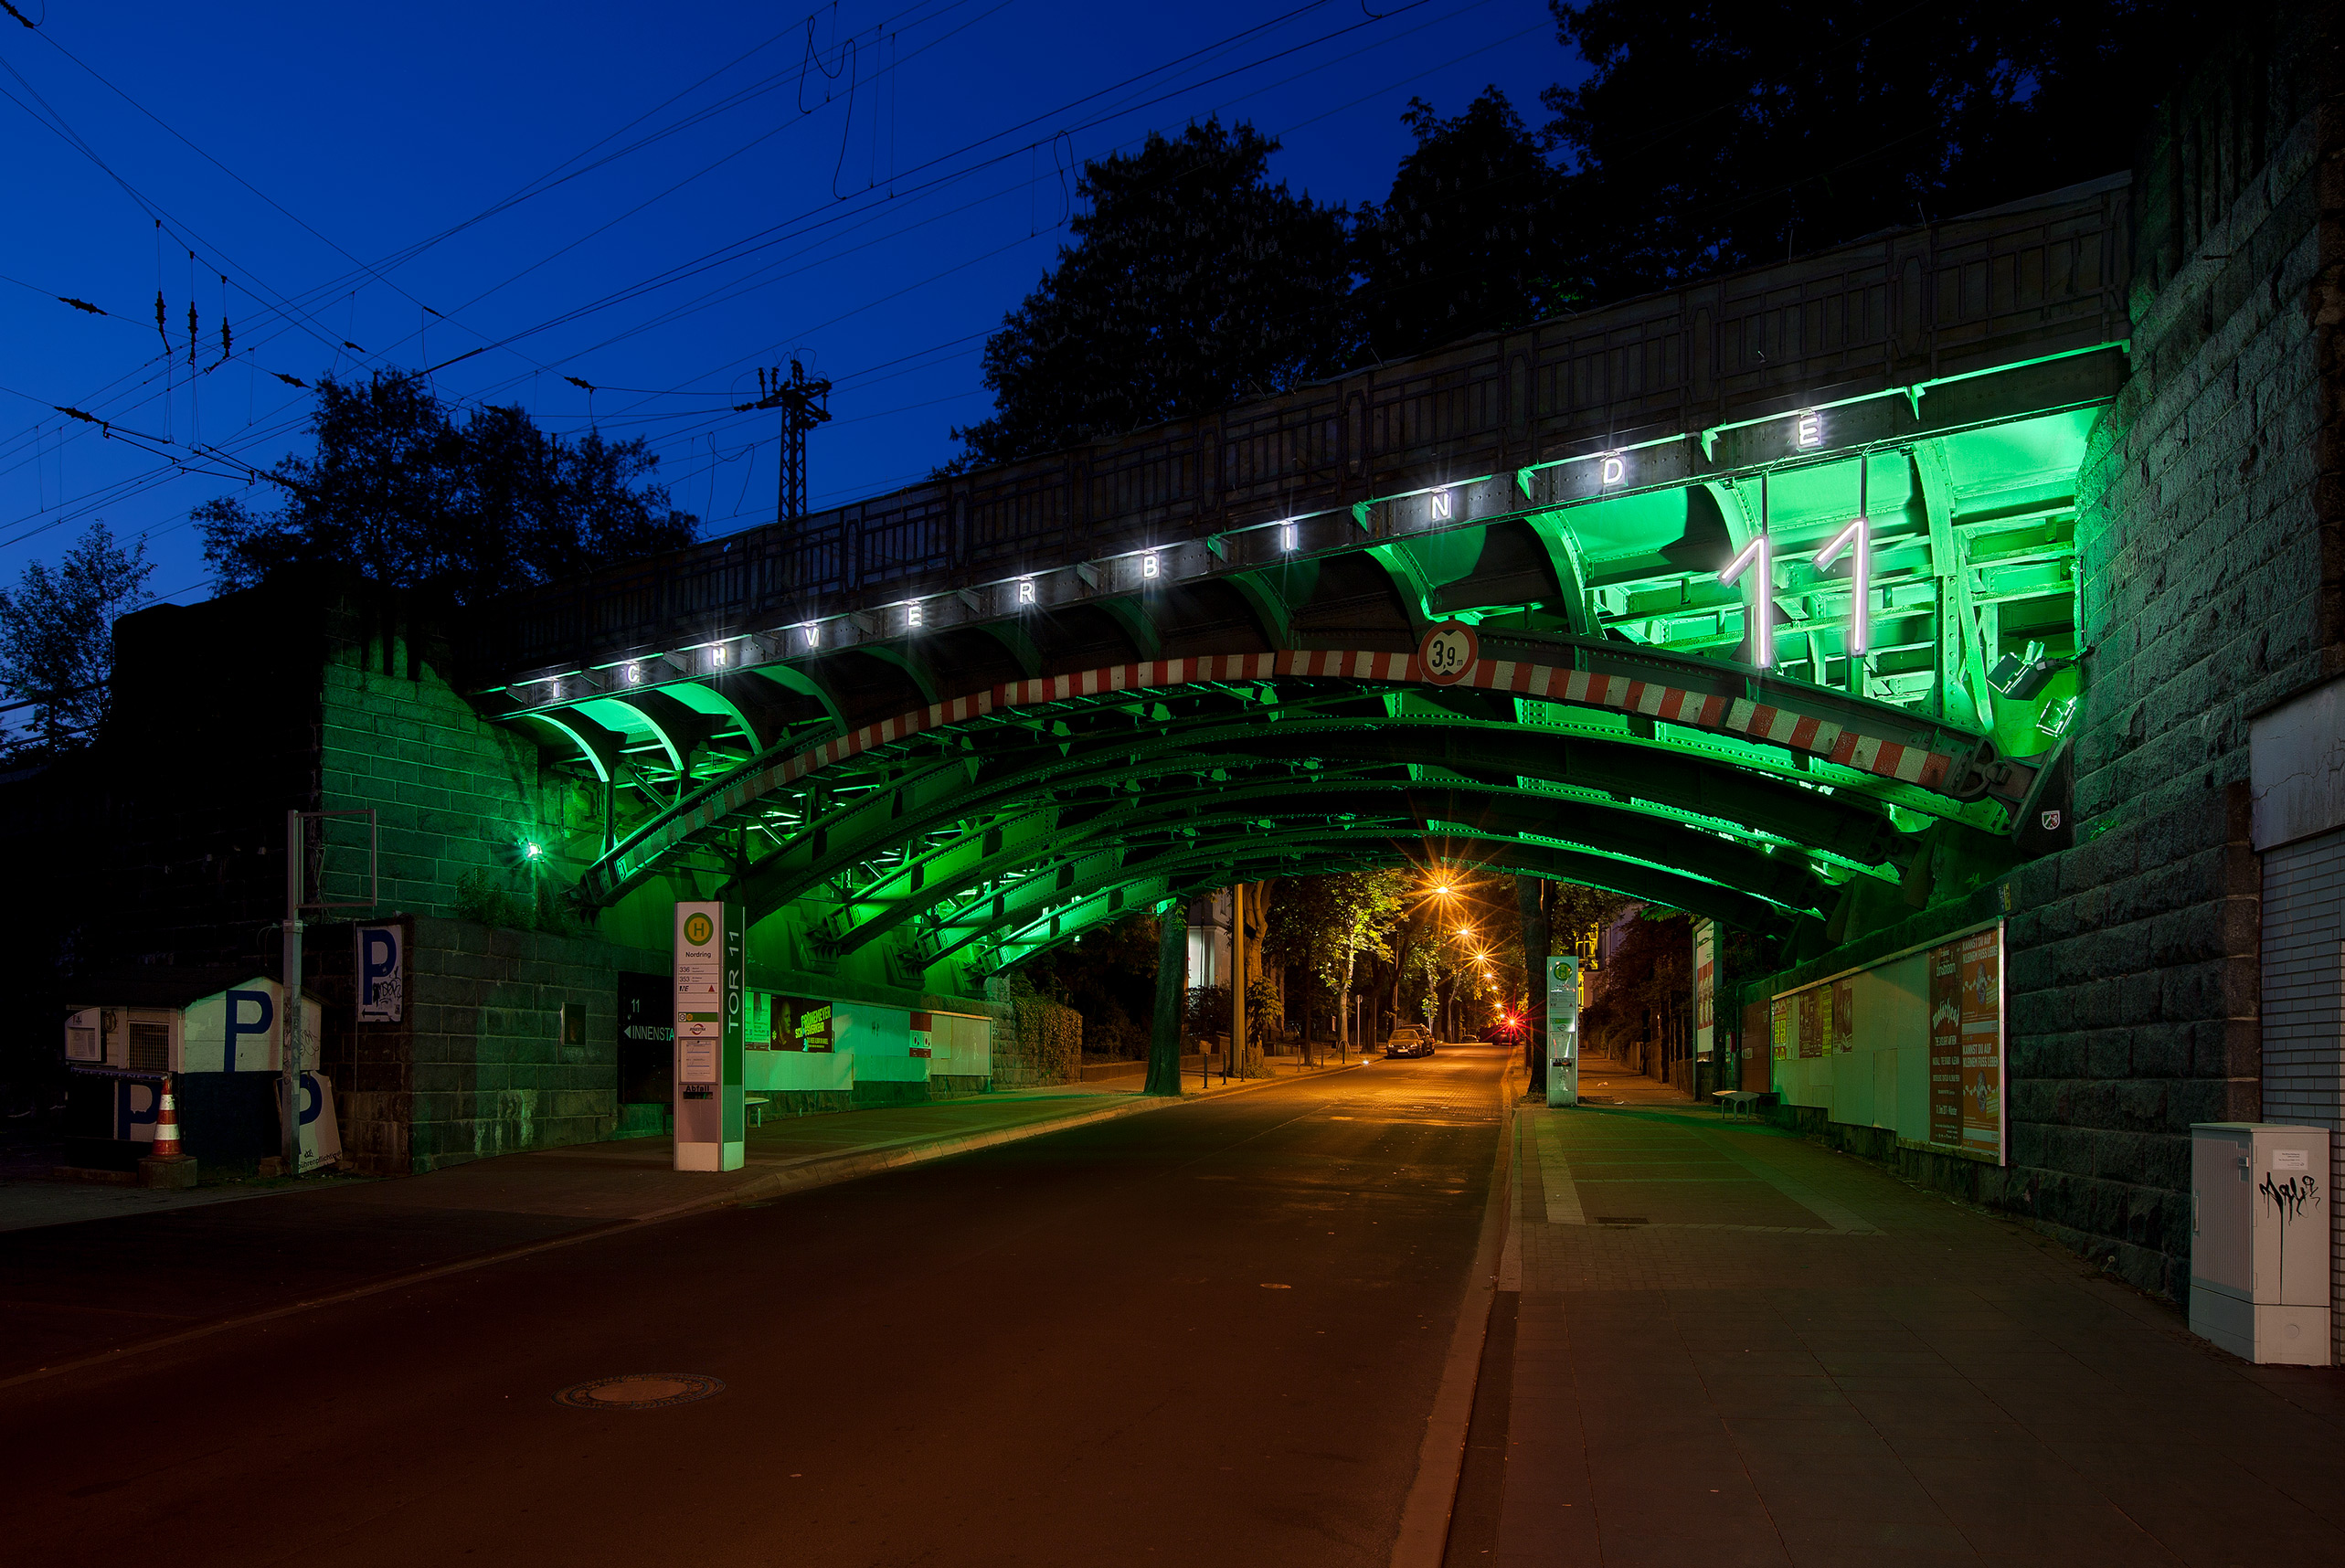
(1759, 721)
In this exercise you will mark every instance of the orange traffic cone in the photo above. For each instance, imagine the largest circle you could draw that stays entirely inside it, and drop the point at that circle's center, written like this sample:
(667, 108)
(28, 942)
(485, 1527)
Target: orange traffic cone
(166, 1128)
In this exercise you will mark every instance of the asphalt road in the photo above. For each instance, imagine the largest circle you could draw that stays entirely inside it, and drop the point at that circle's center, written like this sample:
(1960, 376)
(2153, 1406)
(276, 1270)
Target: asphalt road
(1211, 1334)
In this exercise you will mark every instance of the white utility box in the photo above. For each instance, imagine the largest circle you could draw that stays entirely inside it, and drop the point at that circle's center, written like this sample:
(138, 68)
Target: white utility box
(2260, 1240)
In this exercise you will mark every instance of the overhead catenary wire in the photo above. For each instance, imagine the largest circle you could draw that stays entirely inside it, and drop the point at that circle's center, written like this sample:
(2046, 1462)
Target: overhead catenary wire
(258, 425)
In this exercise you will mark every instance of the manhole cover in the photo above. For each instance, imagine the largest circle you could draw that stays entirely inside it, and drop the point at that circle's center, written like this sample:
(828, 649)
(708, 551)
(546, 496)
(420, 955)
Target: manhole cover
(640, 1391)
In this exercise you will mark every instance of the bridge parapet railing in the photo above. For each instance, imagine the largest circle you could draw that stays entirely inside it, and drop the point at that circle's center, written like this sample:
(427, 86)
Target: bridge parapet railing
(2042, 277)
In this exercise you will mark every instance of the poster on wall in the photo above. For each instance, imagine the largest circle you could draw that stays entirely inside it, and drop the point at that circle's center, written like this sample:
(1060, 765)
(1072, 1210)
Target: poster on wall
(809, 1027)
(1966, 1044)
(1705, 975)
(1844, 1017)
(1946, 1045)
(1980, 960)
(1779, 1027)
(1815, 1021)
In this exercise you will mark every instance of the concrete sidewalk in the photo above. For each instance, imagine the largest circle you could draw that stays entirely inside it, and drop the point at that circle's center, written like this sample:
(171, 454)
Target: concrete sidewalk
(1732, 1346)
(73, 1291)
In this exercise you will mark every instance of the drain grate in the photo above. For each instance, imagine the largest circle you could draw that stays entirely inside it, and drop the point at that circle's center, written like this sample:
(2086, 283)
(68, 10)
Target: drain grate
(640, 1391)
(1622, 1220)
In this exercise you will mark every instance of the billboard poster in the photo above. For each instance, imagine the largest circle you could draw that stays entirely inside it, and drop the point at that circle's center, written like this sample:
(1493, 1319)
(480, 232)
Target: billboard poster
(809, 1025)
(1705, 976)
(1980, 966)
(1946, 1045)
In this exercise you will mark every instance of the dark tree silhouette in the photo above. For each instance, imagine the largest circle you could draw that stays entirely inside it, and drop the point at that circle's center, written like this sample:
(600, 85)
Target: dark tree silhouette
(1194, 281)
(402, 492)
(1718, 134)
(1472, 237)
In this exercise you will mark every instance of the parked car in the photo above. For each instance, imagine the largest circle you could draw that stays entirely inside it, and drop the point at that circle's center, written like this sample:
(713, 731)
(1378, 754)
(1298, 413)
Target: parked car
(1409, 1040)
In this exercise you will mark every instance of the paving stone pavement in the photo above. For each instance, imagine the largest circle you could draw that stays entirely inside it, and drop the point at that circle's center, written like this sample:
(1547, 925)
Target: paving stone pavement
(1732, 1346)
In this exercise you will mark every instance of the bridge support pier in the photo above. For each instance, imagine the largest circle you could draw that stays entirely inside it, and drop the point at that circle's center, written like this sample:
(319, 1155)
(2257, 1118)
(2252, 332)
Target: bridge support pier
(1172, 990)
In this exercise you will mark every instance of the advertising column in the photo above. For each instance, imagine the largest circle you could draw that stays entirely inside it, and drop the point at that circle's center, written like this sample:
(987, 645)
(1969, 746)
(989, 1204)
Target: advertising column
(708, 1017)
(1563, 1031)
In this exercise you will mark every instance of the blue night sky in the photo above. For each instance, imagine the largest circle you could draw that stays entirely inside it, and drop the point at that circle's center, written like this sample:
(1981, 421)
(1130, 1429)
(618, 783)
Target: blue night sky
(699, 200)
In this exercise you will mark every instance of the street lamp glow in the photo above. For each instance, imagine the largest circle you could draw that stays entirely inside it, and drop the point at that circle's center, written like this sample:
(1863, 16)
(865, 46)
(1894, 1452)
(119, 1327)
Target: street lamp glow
(532, 850)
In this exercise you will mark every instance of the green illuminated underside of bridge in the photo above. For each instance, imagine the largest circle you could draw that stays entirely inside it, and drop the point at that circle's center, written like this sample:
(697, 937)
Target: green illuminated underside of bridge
(993, 836)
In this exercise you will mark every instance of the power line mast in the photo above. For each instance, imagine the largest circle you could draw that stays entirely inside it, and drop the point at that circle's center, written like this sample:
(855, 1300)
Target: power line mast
(804, 404)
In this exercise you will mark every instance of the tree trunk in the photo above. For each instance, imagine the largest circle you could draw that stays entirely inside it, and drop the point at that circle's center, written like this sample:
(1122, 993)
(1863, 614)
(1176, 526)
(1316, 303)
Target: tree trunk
(1172, 988)
(1344, 1005)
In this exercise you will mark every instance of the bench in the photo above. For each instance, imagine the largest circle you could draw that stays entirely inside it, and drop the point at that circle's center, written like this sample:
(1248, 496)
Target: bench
(1743, 1103)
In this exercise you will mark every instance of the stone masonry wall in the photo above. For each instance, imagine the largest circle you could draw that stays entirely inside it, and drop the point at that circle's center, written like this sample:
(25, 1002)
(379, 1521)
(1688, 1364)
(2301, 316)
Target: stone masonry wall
(491, 1074)
(479, 1067)
(2208, 589)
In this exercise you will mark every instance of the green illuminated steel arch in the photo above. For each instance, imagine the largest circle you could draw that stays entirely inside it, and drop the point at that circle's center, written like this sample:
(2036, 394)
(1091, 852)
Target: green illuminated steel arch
(1039, 847)
(1763, 893)
(1686, 759)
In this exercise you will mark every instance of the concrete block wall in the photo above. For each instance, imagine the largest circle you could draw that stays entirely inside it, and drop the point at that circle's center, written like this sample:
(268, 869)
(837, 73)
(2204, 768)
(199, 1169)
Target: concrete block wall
(456, 795)
(2208, 589)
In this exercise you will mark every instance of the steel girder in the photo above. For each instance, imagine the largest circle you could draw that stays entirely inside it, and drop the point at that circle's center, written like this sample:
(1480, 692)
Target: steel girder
(891, 822)
(1035, 850)
(1849, 832)
(932, 802)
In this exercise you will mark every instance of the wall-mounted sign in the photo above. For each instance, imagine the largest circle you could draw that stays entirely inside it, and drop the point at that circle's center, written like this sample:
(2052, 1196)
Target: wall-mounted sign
(382, 974)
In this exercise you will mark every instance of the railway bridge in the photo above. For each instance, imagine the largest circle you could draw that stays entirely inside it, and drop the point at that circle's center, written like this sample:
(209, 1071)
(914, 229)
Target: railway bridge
(1723, 597)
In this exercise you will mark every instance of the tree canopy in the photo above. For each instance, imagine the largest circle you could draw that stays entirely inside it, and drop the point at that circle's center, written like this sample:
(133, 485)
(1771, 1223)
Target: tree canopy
(402, 491)
(1706, 136)
(1712, 134)
(1193, 279)
(57, 640)
(1473, 237)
